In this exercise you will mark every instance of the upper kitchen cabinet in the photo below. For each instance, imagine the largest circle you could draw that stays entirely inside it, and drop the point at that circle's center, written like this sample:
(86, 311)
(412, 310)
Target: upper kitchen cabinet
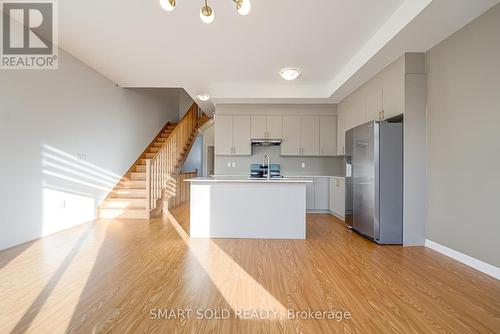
(374, 102)
(232, 135)
(258, 127)
(341, 129)
(291, 144)
(380, 98)
(309, 134)
(266, 127)
(223, 134)
(328, 135)
(300, 135)
(393, 94)
(351, 113)
(274, 126)
(241, 135)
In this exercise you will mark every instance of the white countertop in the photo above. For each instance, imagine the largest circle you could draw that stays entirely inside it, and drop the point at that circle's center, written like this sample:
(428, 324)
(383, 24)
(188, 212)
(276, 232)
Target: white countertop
(243, 179)
(284, 176)
(313, 176)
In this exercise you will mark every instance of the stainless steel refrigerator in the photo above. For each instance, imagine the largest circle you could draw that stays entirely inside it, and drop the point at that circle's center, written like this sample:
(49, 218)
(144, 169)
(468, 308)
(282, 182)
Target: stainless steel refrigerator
(374, 190)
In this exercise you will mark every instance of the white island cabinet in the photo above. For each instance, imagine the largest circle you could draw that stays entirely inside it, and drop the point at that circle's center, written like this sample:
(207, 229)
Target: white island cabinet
(240, 207)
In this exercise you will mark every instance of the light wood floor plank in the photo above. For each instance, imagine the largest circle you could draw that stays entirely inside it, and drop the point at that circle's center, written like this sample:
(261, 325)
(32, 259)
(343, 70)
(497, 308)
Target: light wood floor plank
(107, 276)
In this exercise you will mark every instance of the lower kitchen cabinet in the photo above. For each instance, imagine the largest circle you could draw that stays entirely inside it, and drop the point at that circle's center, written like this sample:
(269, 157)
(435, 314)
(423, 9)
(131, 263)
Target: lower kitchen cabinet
(321, 193)
(317, 193)
(337, 196)
(310, 194)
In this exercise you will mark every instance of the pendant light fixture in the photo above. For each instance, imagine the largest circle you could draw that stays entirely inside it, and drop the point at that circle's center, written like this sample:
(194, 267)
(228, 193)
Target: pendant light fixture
(243, 6)
(168, 5)
(207, 14)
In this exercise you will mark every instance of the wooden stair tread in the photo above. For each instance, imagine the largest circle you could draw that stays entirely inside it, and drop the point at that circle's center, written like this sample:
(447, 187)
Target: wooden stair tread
(128, 199)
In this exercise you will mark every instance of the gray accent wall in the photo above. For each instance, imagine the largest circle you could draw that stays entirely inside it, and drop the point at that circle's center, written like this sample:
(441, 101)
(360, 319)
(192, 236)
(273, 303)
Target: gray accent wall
(464, 140)
(66, 137)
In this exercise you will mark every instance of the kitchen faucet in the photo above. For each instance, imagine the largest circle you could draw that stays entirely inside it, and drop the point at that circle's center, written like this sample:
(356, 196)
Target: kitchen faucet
(268, 160)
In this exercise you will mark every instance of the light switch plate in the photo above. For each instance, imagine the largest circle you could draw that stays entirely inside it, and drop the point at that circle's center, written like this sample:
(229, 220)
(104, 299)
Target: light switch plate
(234, 164)
(303, 165)
(228, 164)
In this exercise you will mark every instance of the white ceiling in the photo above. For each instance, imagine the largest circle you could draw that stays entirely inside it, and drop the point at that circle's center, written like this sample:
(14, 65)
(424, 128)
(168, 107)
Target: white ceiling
(336, 43)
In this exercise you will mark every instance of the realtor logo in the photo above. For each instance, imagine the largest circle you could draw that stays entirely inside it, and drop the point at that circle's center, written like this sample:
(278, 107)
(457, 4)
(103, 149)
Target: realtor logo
(29, 35)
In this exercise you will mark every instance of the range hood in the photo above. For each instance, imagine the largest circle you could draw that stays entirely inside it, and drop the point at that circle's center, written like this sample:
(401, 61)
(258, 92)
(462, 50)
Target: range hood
(266, 142)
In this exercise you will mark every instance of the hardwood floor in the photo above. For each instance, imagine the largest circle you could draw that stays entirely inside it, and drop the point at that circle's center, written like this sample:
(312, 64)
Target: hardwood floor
(114, 276)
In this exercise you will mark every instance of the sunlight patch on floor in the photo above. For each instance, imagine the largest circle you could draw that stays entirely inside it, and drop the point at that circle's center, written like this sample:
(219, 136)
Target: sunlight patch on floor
(239, 289)
(33, 291)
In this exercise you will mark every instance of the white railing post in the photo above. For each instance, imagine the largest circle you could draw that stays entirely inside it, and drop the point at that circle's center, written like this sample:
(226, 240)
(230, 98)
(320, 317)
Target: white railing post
(148, 187)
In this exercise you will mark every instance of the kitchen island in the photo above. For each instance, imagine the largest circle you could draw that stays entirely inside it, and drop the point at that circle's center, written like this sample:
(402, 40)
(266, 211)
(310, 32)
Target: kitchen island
(241, 207)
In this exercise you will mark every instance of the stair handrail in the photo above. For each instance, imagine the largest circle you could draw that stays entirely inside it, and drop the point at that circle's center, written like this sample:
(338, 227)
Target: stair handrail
(161, 167)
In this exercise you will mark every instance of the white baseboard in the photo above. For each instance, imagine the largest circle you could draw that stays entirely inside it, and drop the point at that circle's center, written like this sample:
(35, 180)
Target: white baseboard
(484, 267)
(338, 216)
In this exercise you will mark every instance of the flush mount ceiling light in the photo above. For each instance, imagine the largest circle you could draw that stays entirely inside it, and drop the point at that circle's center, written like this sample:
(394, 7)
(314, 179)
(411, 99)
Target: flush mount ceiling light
(207, 13)
(290, 73)
(203, 97)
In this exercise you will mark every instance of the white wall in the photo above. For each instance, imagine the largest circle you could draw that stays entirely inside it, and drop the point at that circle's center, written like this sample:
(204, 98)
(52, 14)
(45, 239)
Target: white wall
(50, 118)
(464, 140)
(185, 102)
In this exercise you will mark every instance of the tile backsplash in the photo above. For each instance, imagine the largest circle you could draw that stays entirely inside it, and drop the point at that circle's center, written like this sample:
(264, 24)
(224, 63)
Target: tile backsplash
(307, 166)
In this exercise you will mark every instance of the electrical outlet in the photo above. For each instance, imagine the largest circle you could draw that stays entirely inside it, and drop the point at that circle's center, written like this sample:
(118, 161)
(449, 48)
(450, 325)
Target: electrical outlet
(303, 165)
(234, 164)
(228, 164)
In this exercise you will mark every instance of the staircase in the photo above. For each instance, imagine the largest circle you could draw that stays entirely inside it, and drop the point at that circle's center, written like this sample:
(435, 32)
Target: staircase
(145, 189)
